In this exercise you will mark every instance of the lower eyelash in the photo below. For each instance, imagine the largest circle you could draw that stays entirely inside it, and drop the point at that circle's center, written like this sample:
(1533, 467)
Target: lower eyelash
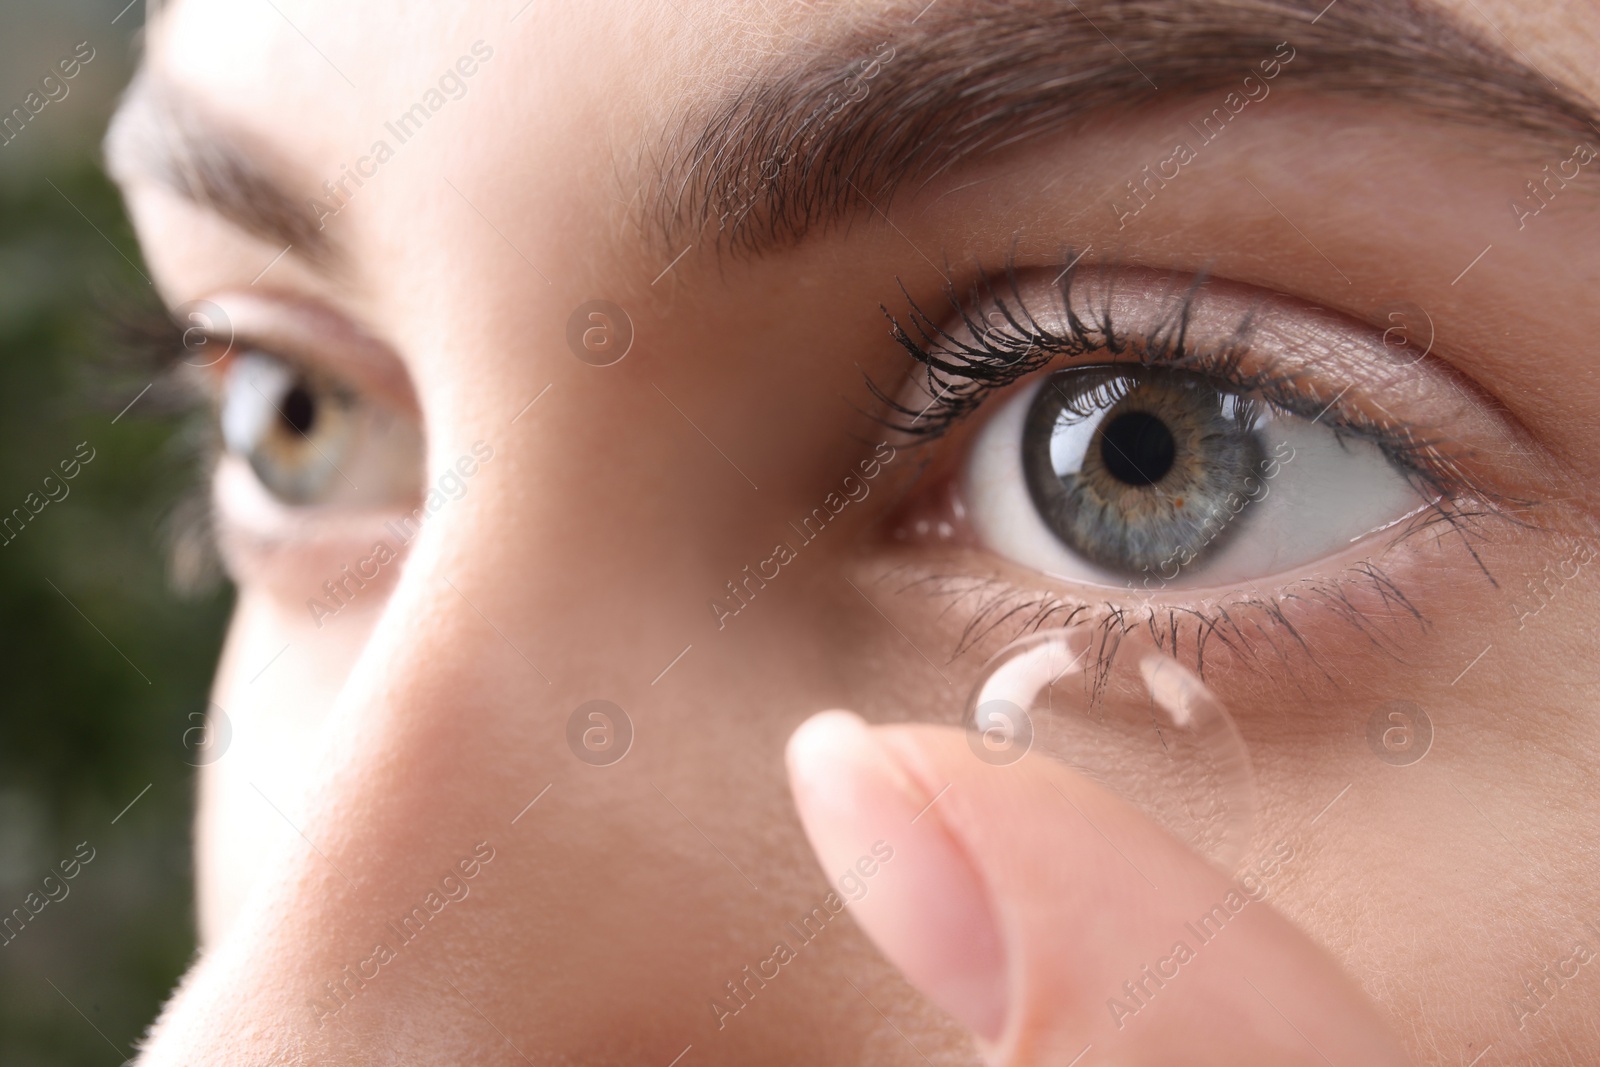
(1240, 624)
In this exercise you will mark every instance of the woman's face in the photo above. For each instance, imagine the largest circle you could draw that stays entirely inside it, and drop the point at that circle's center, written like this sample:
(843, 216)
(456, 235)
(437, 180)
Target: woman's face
(542, 334)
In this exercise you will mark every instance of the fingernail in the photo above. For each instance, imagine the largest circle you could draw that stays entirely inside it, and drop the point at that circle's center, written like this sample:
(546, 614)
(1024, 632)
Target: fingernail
(924, 906)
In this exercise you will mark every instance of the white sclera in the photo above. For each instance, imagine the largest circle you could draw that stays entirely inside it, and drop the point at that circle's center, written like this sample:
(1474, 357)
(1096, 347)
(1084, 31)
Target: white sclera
(1316, 493)
(1145, 729)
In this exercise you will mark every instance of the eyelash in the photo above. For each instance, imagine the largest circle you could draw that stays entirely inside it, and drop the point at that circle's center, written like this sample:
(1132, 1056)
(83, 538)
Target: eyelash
(144, 345)
(1006, 355)
(1246, 618)
(1010, 344)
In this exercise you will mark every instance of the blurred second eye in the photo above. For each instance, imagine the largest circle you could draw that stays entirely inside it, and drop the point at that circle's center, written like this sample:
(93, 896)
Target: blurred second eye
(314, 441)
(1124, 475)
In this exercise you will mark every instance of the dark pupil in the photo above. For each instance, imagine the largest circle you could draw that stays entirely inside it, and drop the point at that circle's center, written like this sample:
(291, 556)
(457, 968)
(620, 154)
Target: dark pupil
(1137, 448)
(299, 410)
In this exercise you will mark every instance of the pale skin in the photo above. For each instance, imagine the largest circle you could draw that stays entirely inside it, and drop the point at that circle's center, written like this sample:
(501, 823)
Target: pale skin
(374, 749)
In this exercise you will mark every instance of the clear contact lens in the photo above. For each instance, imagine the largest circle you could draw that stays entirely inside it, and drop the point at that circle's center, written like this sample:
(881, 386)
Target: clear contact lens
(1143, 727)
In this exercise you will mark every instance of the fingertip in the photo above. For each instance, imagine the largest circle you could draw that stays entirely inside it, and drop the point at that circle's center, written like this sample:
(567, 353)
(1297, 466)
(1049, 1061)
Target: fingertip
(927, 909)
(818, 742)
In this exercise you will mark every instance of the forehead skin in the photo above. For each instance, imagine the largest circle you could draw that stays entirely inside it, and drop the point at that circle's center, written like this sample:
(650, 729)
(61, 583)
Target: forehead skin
(467, 253)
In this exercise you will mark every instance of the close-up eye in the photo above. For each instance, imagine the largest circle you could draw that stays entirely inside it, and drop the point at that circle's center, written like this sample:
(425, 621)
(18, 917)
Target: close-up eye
(312, 440)
(1116, 475)
(1139, 430)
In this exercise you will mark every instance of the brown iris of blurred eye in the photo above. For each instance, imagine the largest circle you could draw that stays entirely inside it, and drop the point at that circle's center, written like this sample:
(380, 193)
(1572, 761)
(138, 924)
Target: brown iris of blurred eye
(311, 440)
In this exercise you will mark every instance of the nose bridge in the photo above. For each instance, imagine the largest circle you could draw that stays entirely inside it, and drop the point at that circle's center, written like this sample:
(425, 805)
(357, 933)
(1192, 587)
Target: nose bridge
(395, 864)
(402, 828)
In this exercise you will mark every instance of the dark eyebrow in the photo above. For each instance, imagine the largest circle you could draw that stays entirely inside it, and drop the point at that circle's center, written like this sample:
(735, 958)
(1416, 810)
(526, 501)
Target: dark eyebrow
(158, 133)
(783, 157)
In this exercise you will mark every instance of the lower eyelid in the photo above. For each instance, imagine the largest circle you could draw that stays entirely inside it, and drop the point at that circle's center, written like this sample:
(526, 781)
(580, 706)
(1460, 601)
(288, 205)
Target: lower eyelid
(1359, 608)
(293, 550)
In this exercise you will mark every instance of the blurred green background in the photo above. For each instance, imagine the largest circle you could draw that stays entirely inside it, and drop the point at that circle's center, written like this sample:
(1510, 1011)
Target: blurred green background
(103, 663)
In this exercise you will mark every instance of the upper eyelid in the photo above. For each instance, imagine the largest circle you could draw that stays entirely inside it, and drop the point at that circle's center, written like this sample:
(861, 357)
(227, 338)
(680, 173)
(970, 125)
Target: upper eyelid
(316, 339)
(1429, 411)
(1244, 323)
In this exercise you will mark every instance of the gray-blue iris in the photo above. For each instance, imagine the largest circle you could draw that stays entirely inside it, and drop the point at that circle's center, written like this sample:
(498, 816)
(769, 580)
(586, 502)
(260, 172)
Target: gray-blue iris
(1132, 467)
